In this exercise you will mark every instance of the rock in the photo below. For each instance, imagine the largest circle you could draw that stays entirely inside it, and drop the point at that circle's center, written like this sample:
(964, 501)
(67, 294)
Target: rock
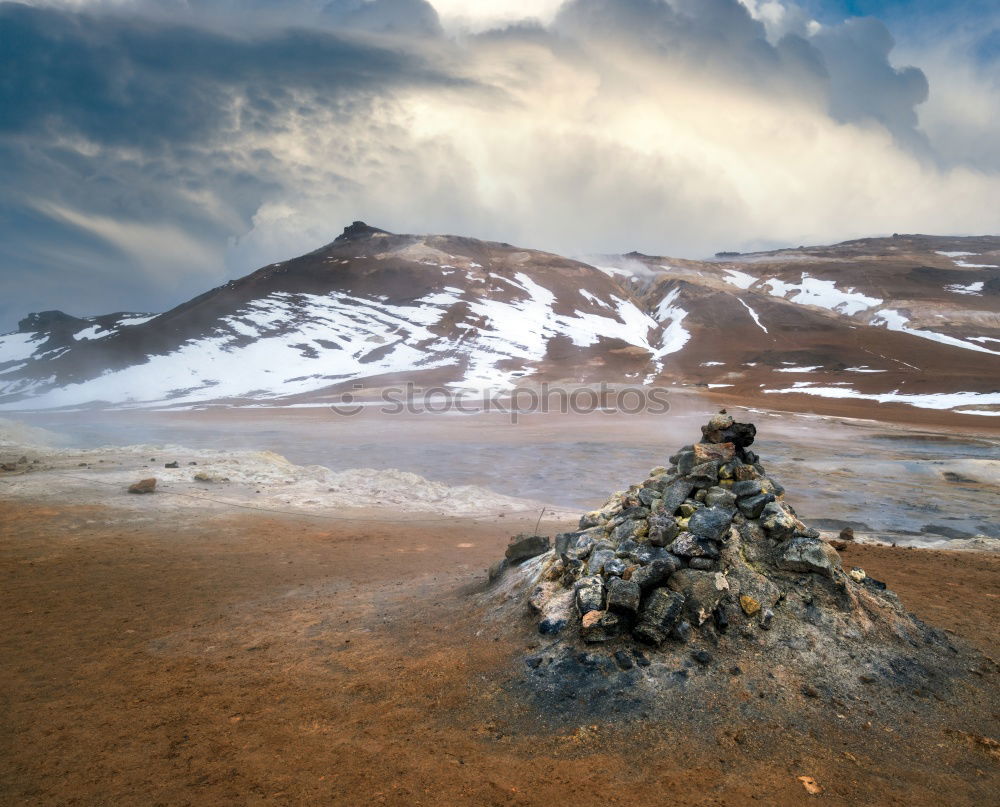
(840, 546)
(702, 591)
(174, 464)
(685, 461)
(711, 523)
(749, 605)
(556, 613)
(143, 486)
(766, 617)
(720, 497)
(598, 559)
(746, 487)
(647, 496)
(681, 631)
(717, 452)
(624, 596)
(704, 475)
(614, 567)
(701, 656)
(704, 564)
(655, 574)
(857, 574)
(662, 530)
(660, 612)
(564, 540)
(810, 555)
(687, 545)
(599, 626)
(591, 519)
(522, 547)
(778, 523)
(846, 534)
(205, 476)
(589, 595)
(674, 495)
(753, 506)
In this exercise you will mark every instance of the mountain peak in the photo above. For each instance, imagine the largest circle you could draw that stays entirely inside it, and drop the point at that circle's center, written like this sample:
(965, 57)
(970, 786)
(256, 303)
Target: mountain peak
(359, 229)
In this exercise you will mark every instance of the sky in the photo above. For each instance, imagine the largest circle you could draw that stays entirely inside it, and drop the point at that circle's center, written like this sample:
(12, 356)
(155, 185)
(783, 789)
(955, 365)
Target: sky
(153, 149)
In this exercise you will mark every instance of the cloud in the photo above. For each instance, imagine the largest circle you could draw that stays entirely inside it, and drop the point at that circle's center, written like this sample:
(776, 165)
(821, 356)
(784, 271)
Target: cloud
(165, 139)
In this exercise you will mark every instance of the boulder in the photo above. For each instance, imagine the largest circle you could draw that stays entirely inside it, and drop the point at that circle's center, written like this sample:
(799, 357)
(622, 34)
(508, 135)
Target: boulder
(522, 547)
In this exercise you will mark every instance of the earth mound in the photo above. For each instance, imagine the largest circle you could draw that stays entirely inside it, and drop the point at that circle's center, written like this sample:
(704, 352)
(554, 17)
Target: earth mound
(704, 569)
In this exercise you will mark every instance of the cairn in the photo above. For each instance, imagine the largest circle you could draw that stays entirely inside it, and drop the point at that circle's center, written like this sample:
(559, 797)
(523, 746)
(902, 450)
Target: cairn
(705, 546)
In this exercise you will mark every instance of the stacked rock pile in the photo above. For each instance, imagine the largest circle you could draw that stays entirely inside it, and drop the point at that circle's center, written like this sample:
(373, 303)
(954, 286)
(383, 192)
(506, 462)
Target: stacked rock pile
(704, 543)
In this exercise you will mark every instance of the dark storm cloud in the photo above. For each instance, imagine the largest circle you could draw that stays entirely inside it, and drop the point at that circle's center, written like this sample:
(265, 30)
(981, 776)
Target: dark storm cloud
(149, 150)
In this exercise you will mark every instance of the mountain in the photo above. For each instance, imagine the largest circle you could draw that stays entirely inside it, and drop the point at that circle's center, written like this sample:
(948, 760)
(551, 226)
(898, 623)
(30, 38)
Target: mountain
(907, 319)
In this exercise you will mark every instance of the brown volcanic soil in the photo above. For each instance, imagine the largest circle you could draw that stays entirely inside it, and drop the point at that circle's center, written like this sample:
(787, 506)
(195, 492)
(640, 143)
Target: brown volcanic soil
(291, 661)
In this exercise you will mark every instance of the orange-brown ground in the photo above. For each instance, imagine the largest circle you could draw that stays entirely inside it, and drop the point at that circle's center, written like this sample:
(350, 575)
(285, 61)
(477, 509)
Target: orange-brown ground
(248, 660)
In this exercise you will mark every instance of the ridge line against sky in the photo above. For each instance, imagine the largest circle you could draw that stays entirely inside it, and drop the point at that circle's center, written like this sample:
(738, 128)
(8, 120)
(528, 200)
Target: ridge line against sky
(151, 149)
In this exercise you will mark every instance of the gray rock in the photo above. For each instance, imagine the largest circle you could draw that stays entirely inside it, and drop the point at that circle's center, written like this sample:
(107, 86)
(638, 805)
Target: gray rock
(656, 573)
(778, 523)
(663, 529)
(650, 553)
(674, 495)
(810, 555)
(495, 572)
(711, 523)
(626, 529)
(720, 497)
(753, 506)
(661, 610)
(690, 546)
(623, 596)
(598, 558)
(614, 567)
(703, 564)
(748, 487)
(589, 595)
(564, 540)
(705, 475)
(522, 547)
(629, 549)
(648, 495)
(685, 461)
(584, 545)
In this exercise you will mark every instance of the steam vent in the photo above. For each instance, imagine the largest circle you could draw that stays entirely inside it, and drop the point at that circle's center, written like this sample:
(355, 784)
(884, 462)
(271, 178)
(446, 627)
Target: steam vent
(703, 568)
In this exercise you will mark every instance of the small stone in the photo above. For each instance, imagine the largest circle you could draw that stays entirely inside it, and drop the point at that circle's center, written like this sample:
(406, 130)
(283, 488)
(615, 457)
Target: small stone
(624, 596)
(550, 626)
(174, 464)
(522, 547)
(701, 590)
(704, 564)
(857, 574)
(647, 496)
(846, 534)
(624, 660)
(662, 529)
(701, 656)
(745, 473)
(766, 617)
(614, 567)
(687, 545)
(704, 475)
(143, 486)
(640, 657)
(749, 605)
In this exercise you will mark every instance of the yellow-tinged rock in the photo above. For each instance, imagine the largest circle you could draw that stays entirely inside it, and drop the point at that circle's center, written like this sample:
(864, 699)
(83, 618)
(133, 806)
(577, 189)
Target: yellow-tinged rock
(749, 605)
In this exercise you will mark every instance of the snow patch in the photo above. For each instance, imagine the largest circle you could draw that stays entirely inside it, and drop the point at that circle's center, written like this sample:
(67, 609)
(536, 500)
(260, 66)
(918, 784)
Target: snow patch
(972, 288)
(823, 294)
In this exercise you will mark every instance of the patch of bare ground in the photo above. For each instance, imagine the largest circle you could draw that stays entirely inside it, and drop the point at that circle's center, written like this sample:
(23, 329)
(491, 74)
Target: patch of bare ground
(248, 660)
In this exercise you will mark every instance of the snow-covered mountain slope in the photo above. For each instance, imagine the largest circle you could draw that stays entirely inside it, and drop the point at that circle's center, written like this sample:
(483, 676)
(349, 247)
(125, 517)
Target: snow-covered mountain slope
(911, 319)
